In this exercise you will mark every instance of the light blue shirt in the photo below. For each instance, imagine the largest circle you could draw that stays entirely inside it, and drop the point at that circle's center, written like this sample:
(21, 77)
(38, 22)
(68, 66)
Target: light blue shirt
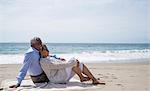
(31, 64)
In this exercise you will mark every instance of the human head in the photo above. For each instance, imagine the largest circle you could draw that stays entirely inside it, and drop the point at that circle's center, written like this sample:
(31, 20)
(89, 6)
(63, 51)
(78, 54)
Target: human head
(36, 43)
(44, 51)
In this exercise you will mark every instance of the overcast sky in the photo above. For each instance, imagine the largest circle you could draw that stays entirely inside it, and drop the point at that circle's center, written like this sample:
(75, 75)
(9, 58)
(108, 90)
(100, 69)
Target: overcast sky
(98, 21)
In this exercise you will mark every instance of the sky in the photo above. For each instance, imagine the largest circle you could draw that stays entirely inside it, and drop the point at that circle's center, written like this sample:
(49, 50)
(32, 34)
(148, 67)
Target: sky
(75, 21)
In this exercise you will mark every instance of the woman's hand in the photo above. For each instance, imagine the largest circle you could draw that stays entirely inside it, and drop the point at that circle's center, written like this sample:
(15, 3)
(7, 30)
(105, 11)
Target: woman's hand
(62, 59)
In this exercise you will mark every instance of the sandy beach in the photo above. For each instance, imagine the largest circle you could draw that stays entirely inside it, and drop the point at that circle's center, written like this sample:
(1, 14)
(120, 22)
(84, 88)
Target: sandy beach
(118, 76)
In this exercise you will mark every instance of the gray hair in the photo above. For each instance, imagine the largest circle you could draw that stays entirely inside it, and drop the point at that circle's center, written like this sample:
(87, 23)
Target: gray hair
(35, 40)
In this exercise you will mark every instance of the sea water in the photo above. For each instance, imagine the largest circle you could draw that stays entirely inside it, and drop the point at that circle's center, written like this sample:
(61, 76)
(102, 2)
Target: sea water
(13, 53)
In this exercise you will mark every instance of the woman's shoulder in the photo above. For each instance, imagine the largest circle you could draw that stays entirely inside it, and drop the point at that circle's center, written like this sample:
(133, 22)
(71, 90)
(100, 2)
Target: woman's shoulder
(48, 58)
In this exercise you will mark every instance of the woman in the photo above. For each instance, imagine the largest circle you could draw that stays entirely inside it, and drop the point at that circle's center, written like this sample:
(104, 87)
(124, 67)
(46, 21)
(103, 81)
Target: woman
(61, 71)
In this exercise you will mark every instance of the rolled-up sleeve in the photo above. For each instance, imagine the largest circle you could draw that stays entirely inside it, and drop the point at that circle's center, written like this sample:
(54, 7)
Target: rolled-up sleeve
(24, 68)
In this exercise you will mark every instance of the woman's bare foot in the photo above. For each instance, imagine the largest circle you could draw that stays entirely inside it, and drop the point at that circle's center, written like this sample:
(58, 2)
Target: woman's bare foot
(85, 79)
(96, 82)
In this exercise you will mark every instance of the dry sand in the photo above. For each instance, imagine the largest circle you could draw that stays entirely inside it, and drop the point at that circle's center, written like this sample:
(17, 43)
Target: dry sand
(118, 76)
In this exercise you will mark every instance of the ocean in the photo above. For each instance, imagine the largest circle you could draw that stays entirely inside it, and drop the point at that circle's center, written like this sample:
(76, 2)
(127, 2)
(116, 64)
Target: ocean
(13, 53)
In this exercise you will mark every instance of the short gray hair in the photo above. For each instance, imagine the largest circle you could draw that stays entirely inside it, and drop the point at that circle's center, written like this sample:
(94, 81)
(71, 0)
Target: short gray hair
(35, 40)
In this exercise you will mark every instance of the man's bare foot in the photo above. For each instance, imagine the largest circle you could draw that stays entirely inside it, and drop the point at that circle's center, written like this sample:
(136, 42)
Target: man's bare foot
(85, 79)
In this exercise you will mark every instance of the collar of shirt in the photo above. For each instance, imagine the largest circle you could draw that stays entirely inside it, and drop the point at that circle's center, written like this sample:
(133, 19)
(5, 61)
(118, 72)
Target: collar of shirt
(31, 49)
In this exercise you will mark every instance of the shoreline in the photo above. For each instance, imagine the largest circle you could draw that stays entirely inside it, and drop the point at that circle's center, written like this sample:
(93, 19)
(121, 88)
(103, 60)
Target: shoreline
(134, 76)
(101, 62)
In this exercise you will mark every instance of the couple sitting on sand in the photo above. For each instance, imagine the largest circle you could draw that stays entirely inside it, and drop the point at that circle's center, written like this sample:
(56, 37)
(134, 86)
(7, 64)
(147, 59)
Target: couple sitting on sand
(44, 67)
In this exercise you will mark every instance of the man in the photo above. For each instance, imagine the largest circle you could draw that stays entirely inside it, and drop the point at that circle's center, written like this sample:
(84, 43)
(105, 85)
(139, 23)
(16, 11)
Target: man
(31, 64)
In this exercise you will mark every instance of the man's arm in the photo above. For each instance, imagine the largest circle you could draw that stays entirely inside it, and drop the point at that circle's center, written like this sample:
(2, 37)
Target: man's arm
(23, 70)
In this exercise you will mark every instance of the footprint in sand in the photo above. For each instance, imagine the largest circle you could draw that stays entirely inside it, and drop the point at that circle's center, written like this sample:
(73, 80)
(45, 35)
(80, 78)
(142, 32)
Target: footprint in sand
(114, 77)
(118, 84)
(99, 74)
(105, 77)
(98, 78)
(132, 76)
(110, 81)
(108, 73)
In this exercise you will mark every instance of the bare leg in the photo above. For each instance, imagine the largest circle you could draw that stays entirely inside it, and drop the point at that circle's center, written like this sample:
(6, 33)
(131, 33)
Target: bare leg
(78, 71)
(87, 72)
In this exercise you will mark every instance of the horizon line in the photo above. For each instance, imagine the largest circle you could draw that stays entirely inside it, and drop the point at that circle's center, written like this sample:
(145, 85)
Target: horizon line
(85, 42)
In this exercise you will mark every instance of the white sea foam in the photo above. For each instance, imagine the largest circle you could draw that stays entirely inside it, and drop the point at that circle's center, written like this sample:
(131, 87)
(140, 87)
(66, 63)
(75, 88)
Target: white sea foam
(11, 59)
(89, 57)
(109, 56)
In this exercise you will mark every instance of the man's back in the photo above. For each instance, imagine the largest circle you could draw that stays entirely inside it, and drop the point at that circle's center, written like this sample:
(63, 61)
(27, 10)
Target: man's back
(30, 64)
(35, 68)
